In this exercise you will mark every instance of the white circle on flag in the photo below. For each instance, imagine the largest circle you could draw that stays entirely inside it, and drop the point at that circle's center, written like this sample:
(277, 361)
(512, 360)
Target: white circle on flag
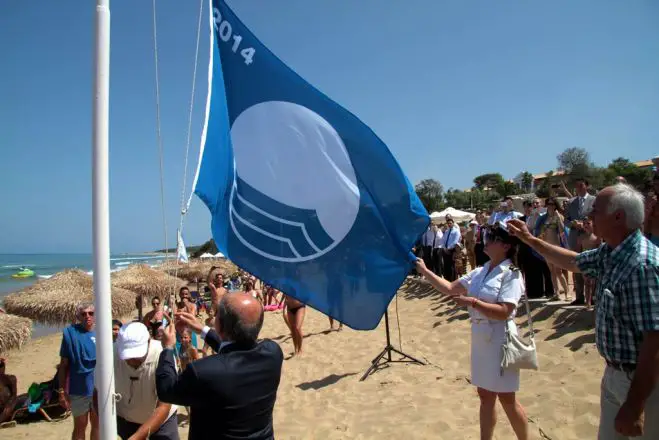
(294, 156)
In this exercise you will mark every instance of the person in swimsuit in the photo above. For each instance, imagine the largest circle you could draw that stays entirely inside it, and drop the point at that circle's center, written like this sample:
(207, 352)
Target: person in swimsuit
(155, 318)
(294, 317)
(587, 241)
(331, 320)
(186, 305)
(250, 289)
(8, 393)
(216, 286)
(188, 353)
(552, 230)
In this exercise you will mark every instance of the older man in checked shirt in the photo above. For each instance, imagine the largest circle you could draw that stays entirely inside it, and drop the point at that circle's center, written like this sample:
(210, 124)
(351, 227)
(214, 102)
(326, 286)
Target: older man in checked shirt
(627, 319)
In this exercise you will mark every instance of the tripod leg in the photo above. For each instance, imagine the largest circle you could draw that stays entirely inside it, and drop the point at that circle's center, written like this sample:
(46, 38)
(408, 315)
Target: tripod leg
(407, 356)
(374, 364)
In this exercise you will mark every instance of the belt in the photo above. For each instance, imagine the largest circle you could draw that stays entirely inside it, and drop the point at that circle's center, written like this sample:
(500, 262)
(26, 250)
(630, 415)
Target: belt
(625, 367)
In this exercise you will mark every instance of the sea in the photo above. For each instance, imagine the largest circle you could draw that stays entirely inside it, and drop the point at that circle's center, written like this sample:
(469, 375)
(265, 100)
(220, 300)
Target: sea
(46, 265)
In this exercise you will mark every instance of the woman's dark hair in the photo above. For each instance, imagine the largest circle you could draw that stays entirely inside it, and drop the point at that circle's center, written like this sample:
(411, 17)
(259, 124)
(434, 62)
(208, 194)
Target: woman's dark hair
(554, 201)
(501, 233)
(116, 322)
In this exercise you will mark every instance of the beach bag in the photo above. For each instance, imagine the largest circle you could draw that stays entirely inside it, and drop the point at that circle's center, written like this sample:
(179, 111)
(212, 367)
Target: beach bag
(516, 354)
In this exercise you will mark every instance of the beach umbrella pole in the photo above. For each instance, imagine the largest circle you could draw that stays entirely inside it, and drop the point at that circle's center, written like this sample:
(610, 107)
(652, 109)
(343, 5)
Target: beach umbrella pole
(104, 377)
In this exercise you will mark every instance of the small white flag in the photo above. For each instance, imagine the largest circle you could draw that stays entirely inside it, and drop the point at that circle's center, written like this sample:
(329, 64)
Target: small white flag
(182, 255)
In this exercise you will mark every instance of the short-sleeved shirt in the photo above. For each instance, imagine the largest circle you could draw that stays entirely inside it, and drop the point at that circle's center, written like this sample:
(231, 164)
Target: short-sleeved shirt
(503, 284)
(137, 387)
(627, 295)
(79, 347)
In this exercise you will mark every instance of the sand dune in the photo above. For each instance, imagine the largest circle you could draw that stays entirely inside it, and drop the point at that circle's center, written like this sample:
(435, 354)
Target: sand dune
(321, 397)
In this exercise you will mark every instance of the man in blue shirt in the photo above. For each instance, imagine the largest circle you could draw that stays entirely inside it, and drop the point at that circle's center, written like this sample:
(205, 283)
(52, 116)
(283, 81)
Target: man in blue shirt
(78, 360)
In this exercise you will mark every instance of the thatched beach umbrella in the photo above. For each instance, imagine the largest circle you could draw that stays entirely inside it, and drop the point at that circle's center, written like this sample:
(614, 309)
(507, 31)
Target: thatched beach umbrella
(146, 282)
(197, 270)
(54, 301)
(14, 331)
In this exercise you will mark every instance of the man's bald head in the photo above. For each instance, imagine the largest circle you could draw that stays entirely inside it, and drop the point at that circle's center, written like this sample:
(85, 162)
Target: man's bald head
(239, 318)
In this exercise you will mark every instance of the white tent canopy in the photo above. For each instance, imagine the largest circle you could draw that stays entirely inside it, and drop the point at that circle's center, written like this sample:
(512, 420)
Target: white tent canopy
(206, 255)
(458, 216)
(219, 255)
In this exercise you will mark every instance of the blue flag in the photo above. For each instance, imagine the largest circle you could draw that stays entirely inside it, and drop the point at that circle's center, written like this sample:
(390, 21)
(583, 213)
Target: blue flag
(302, 193)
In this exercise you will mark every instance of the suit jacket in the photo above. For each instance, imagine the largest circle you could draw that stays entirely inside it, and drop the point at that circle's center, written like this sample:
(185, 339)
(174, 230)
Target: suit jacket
(231, 394)
(576, 212)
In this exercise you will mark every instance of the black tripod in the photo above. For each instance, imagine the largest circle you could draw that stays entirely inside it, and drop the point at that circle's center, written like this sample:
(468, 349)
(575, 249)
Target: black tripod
(379, 361)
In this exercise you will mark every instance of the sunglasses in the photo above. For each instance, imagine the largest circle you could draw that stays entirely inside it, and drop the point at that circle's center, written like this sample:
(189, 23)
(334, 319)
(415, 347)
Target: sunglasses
(86, 313)
(155, 303)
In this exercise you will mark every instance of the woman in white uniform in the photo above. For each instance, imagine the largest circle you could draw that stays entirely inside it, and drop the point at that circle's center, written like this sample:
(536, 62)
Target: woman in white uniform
(491, 292)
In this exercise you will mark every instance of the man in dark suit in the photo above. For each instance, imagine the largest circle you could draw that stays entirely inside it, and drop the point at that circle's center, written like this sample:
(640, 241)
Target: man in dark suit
(577, 210)
(232, 393)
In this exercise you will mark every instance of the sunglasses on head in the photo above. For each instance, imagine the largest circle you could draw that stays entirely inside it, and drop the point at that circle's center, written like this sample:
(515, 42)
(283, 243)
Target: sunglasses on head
(496, 233)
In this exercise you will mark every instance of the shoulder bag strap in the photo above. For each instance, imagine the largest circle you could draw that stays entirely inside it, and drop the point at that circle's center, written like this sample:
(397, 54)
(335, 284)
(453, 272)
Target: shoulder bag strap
(526, 304)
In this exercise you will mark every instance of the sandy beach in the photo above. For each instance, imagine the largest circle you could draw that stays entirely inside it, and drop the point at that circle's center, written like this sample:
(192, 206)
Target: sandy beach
(320, 396)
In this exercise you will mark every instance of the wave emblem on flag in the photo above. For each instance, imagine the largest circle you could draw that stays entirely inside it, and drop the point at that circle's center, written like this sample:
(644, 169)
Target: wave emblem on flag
(276, 208)
(302, 194)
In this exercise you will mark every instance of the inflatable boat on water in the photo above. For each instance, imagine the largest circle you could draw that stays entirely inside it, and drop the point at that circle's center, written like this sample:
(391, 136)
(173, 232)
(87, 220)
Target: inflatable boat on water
(23, 273)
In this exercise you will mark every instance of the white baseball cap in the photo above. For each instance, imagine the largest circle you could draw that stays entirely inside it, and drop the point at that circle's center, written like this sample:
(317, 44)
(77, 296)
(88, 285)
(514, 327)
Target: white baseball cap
(133, 341)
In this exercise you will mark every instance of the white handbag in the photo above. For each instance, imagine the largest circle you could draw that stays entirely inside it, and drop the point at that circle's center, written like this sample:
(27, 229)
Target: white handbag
(516, 354)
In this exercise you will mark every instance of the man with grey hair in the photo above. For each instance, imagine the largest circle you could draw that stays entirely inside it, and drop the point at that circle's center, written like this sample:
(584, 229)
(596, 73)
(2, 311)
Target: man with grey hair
(626, 267)
(231, 394)
(77, 362)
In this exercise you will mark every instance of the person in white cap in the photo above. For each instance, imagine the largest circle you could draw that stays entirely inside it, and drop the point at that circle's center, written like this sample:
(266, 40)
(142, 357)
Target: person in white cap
(140, 415)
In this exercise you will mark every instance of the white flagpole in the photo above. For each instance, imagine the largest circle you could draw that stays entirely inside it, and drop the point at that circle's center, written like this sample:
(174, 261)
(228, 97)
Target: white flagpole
(104, 375)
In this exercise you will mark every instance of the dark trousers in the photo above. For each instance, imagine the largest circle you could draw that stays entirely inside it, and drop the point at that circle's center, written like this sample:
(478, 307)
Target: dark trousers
(167, 431)
(427, 256)
(448, 265)
(481, 258)
(579, 287)
(536, 274)
(437, 261)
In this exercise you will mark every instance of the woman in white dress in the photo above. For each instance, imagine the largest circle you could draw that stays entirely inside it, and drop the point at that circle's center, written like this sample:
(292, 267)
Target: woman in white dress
(491, 293)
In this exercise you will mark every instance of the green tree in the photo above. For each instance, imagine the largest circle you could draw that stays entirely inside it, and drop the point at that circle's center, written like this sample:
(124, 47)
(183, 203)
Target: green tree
(488, 181)
(458, 199)
(209, 247)
(525, 181)
(574, 161)
(508, 189)
(430, 192)
(634, 175)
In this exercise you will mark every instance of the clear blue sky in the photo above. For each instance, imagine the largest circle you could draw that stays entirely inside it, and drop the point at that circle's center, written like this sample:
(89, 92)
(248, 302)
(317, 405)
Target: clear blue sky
(456, 89)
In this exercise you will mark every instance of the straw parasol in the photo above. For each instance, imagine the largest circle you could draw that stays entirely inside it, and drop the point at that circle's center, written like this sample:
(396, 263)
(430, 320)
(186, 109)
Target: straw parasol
(14, 331)
(146, 281)
(54, 301)
(196, 270)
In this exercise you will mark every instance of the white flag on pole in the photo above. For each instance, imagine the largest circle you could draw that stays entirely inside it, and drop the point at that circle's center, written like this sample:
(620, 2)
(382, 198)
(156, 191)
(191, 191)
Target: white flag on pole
(181, 253)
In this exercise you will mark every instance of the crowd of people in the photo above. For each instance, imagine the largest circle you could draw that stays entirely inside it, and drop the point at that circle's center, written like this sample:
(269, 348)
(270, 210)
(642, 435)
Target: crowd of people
(160, 367)
(604, 241)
